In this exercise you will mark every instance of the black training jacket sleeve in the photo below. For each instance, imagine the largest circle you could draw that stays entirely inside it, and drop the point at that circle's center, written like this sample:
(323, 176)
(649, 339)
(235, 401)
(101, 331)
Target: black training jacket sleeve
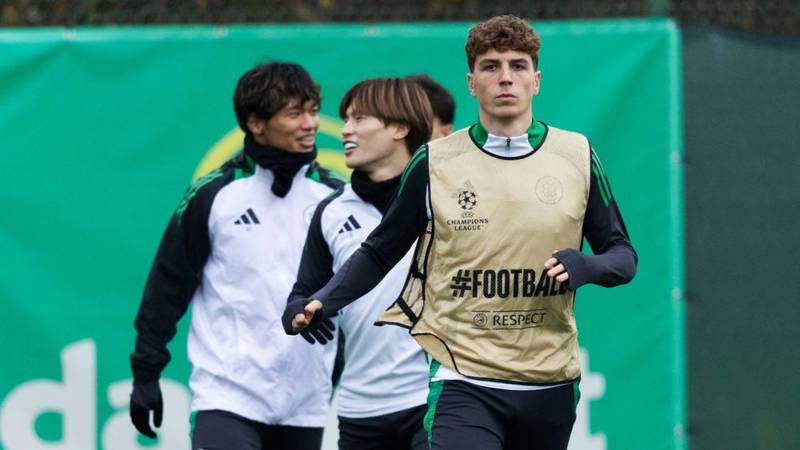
(316, 264)
(614, 259)
(403, 223)
(174, 276)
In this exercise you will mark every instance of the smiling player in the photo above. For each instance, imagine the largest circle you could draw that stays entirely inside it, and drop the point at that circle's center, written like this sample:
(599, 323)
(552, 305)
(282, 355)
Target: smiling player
(383, 388)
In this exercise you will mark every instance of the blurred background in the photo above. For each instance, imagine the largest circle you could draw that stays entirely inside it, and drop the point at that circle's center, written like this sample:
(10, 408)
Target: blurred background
(769, 16)
(108, 110)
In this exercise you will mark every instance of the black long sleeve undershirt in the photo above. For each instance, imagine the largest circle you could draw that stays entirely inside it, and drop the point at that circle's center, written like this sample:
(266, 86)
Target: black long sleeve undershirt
(316, 264)
(402, 224)
(613, 263)
(614, 259)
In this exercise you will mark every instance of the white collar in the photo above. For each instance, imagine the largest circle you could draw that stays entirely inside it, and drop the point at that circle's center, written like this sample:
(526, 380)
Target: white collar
(508, 147)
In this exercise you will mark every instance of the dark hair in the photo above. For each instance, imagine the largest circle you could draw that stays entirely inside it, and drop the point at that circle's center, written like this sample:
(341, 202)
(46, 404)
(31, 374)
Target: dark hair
(442, 102)
(502, 33)
(394, 101)
(267, 88)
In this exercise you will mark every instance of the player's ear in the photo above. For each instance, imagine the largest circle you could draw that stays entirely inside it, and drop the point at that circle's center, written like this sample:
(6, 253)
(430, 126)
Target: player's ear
(471, 84)
(256, 125)
(399, 132)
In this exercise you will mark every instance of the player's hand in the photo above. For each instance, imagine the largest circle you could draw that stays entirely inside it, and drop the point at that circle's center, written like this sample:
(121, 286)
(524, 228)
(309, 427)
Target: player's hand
(556, 269)
(302, 320)
(313, 324)
(308, 318)
(146, 397)
(320, 330)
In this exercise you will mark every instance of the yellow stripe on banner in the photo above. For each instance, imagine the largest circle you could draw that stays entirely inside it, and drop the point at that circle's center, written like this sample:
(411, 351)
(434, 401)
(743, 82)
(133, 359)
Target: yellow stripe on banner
(330, 127)
(333, 160)
(223, 150)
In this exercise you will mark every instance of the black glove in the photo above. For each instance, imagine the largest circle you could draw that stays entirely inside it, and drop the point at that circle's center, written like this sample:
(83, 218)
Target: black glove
(146, 397)
(293, 308)
(319, 330)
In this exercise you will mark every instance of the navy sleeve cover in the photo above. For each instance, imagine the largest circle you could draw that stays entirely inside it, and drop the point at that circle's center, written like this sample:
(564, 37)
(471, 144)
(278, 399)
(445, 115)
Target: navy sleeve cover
(614, 259)
(402, 224)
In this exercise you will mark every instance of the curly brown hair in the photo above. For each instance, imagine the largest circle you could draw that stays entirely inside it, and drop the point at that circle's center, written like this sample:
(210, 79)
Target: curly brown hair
(502, 33)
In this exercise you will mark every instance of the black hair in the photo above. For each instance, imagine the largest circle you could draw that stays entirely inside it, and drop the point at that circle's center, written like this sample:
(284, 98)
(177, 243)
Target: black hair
(442, 102)
(267, 88)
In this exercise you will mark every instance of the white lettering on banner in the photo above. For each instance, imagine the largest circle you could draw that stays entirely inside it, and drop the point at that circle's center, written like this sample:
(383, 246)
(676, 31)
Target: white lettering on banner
(593, 387)
(75, 401)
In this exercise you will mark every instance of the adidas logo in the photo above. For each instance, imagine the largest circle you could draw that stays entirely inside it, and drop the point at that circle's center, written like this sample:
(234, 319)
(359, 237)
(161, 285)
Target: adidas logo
(349, 225)
(247, 218)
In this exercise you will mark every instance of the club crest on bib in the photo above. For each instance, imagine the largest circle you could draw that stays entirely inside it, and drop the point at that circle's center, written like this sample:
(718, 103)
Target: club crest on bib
(549, 190)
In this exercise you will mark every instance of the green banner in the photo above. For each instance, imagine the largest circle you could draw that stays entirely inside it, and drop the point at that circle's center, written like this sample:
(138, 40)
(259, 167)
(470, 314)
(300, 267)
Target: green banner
(103, 129)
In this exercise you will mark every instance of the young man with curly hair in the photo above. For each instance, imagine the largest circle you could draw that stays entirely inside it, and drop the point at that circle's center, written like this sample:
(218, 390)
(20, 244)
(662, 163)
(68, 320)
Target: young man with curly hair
(500, 210)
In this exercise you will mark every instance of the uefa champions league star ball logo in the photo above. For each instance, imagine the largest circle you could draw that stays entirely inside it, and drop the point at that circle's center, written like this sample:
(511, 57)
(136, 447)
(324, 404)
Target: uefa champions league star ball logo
(467, 200)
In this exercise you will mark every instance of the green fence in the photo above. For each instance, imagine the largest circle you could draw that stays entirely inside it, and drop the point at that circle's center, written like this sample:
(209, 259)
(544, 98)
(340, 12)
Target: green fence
(742, 213)
(103, 129)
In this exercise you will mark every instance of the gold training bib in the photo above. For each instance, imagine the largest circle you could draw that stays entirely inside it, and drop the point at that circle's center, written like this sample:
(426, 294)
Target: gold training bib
(478, 299)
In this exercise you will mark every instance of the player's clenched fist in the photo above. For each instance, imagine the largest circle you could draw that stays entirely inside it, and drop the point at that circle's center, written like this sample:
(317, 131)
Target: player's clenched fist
(556, 269)
(302, 320)
(308, 318)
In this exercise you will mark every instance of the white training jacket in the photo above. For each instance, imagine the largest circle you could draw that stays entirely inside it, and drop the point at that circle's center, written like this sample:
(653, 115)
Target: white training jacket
(385, 370)
(242, 361)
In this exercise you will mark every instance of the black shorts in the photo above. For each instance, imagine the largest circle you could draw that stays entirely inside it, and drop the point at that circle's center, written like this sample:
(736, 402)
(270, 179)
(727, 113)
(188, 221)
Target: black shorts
(401, 430)
(222, 430)
(465, 416)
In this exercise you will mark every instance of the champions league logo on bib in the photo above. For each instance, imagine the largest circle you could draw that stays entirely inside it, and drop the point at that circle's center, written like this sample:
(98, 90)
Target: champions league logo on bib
(467, 200)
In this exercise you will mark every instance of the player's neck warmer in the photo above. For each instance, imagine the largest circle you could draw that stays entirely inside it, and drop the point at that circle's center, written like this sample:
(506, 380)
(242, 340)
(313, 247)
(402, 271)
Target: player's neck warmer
(377, 193)
(283, 163)
(478, 298)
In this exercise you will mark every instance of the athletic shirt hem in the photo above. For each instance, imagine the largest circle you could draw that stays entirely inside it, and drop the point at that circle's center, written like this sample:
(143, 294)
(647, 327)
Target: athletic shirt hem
(445, 374)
